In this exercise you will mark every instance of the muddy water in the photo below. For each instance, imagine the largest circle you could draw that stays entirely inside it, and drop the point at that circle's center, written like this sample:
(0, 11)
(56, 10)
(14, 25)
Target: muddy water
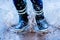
(32, 36)
(52, 34)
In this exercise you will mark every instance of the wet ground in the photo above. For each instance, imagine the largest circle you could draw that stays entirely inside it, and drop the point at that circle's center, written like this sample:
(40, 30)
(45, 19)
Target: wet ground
(51, 34)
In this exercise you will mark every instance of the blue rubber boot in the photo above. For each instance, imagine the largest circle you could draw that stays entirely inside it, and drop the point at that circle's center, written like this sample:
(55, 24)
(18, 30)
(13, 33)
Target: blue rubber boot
(21, 8)
(40, 19)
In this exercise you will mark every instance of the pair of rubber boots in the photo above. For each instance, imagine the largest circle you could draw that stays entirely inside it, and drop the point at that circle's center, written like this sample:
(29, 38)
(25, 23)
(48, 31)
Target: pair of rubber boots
(38, 7)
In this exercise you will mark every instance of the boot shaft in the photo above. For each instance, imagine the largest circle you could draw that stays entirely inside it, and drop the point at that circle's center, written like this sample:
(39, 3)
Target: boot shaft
(37, 4)
(20, 5)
